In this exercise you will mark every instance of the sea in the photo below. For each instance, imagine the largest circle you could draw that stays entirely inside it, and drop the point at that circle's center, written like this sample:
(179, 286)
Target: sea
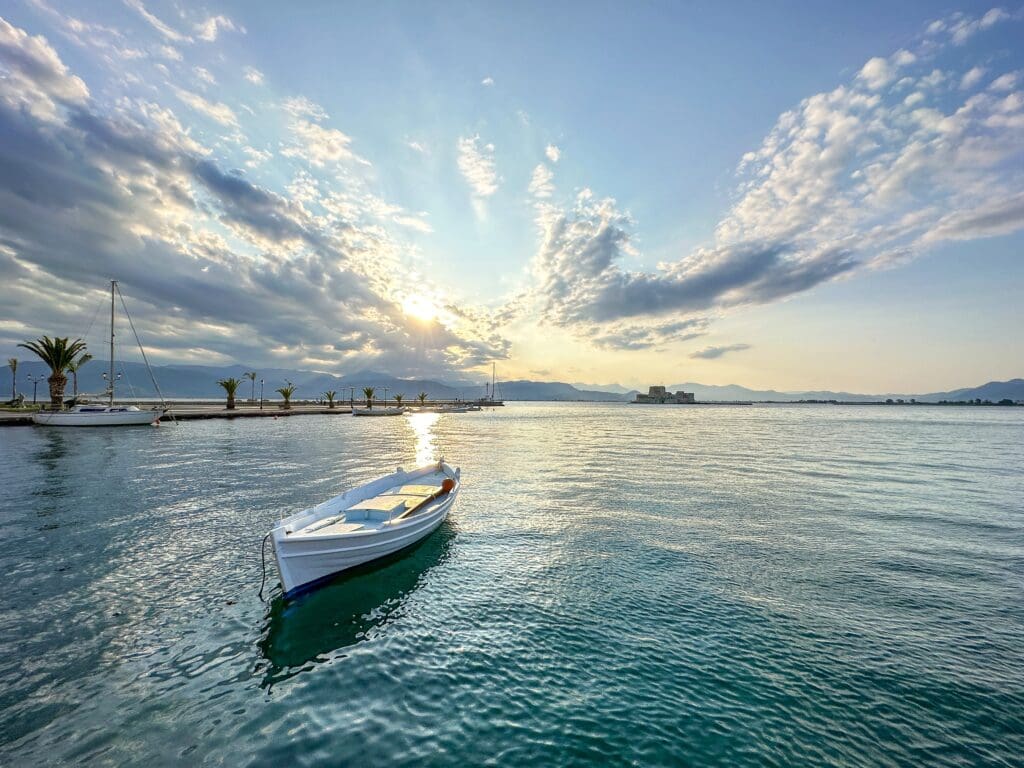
(765, 585)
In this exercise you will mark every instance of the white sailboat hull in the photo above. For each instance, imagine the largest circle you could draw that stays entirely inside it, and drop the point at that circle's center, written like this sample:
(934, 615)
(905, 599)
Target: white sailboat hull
(309, 548)
(98, 417)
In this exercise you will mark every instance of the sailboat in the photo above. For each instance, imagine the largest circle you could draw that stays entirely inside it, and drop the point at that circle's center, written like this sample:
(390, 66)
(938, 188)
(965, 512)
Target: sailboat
(109, 415)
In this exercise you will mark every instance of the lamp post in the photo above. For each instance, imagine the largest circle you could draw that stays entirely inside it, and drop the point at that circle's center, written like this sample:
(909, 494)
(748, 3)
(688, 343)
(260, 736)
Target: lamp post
(351, 397)
(261, 394)
(35, 383)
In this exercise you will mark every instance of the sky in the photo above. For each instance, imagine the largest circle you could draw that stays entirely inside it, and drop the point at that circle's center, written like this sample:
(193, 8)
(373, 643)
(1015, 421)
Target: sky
(786, 195)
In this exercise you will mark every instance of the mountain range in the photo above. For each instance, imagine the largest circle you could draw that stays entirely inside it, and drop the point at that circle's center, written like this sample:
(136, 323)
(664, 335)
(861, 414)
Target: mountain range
(200, 381)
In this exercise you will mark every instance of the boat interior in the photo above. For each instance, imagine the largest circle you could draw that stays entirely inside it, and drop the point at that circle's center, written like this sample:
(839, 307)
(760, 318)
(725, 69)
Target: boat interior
(394, 504)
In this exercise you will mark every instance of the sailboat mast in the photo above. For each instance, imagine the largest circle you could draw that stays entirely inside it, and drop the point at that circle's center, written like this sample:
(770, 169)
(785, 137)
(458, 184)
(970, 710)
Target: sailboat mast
(492, 382)
(110, 383)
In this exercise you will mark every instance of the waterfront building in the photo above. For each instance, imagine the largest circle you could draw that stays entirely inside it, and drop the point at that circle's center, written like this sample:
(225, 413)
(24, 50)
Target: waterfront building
(660, 395)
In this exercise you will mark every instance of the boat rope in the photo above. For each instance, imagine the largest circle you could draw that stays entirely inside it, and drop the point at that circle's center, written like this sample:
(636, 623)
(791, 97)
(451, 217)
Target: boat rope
(263, 561)
(142, 349)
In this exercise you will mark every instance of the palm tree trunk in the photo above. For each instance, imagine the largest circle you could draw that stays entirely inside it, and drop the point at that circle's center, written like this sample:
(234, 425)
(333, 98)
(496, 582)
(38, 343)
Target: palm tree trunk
(57, 382)
(74, 379)
(231, 401)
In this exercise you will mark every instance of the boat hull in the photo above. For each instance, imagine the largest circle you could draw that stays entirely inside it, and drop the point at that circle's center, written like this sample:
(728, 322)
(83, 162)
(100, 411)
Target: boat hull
(102, 419)
(305, 562)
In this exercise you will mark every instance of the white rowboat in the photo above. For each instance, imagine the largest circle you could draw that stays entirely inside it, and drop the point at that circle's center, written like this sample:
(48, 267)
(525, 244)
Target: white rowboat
(363, 524)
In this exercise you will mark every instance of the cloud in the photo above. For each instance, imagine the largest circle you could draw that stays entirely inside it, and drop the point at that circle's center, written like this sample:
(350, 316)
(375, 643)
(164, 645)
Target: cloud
(208, 29)
(869, 174)
(253, 75)
(220, 113)
(1005, 82)
(167, 31)
(216, 266)
(476, 163)
(992, 219)
(300, 106)
(553, 153)
(713, 353)
(972, 77)
(417, 146)
(878, 72)
(540, 181)
(632, 337)
(34, 76)
(487, 81)
(256, 157)
(318, 145)
(205, 75)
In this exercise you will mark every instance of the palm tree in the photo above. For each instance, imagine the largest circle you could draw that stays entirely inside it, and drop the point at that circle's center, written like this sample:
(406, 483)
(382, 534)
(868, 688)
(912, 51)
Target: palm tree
(398, 399)
(230, 386)
(75, 367)
(330, 394)
(252, 376)
(422, 397)
(12, 362)
(286, 392)
(58, 353)
(368, 393)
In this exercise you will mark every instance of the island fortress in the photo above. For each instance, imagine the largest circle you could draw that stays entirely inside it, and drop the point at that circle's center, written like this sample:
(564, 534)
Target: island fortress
(660, 395)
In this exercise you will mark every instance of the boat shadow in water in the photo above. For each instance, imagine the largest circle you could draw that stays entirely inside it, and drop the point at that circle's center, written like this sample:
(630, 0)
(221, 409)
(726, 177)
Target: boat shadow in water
(302, 632)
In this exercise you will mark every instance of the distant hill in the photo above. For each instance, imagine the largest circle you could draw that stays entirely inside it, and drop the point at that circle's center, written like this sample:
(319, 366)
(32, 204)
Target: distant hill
(994, 391)
(553, 390)
(200, 381)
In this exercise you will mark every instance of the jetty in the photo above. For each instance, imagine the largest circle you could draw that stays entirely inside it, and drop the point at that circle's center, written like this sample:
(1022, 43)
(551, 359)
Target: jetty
(215, 409)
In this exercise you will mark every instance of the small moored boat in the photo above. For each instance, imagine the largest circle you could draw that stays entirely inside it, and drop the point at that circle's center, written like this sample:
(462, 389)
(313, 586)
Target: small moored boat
(363, 524)
(98, 416)
(378, 411)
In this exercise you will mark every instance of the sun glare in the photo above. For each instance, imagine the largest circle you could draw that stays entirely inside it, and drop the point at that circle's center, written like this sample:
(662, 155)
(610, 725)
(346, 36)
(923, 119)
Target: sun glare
(420, 307)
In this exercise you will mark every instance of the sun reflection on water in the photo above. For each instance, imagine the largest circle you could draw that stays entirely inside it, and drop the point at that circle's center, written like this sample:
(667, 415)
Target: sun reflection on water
(423, 427)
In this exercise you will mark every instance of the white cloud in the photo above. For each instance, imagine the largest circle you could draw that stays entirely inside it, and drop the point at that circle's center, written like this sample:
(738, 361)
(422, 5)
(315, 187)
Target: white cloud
(34, 77)
(540, 181)
(1005, 82)
(216, 111)
(212, 26)
(972, 77)
(553, 153)
(300, 106)
(476, 163)
(487, 81)
(417, 146)
(876, 73)
(205, 75)
(167, 31)
(256, 156)
(253, 75)
(319, 145)
(168, 52)
(961, 27)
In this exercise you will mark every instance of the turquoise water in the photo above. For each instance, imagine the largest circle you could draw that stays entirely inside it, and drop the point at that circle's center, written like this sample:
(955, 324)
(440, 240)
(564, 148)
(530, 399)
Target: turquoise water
(766, 585)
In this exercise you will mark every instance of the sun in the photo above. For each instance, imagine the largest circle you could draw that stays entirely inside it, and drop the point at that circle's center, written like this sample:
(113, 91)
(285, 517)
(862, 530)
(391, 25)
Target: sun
(420, 307)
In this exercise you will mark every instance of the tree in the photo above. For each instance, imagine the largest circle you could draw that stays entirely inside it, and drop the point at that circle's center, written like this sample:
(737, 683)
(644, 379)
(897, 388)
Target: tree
(58, 353)
(368, 393)
(75, 367)
(422, 397)
(330, 395)
(12, 363)
(286, 392)
(398, 399)
(230, 386)
(251, 375)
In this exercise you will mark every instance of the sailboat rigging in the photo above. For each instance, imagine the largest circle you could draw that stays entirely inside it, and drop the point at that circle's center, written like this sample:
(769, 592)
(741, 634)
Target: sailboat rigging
(87, 415)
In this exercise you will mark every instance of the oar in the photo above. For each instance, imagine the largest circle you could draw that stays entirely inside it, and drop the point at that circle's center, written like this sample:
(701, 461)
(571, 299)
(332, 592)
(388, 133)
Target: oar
(446, 487)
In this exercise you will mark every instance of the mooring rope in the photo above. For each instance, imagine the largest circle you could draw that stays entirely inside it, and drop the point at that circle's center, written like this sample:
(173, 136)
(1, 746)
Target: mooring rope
(263, 560)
